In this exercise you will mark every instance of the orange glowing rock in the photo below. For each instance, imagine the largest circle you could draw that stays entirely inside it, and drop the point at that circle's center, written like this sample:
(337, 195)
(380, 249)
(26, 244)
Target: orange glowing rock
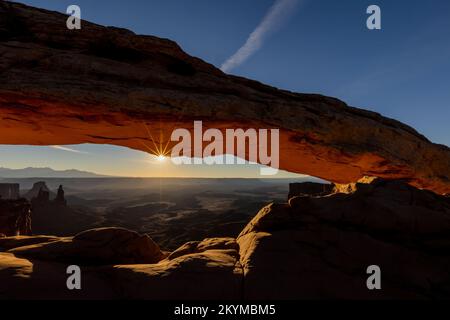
(105, 85)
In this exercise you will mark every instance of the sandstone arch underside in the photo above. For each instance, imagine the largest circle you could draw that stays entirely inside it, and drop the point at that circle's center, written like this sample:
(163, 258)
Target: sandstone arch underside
(106, 85)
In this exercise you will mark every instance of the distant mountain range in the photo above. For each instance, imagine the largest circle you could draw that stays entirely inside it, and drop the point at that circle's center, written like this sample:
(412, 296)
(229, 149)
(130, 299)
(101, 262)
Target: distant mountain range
(46, 173)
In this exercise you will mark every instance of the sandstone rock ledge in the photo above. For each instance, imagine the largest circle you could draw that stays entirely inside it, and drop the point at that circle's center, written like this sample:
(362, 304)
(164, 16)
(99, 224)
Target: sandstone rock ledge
(118, 263)
(320, 247)
(312, 247)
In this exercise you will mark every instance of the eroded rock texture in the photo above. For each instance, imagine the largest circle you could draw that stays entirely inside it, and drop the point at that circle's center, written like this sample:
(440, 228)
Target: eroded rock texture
(108, 85)
(320, 247)
(34, 267)
(312, 247)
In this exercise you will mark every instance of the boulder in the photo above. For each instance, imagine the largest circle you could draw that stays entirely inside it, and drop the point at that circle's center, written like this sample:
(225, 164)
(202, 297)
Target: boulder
(210, 274)
(213, 274)
(100, 246)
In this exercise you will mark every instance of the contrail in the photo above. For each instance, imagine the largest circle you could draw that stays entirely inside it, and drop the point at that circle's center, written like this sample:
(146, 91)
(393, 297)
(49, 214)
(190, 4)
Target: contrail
(280, 12)
(67, 149)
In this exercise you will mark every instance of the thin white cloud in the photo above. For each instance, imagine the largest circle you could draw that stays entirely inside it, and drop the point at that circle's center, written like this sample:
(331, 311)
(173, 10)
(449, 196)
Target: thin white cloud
(280, 12)
(67, 149)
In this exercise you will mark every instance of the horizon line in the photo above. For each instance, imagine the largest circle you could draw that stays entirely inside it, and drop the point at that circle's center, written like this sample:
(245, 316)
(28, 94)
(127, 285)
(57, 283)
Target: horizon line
(175, 177)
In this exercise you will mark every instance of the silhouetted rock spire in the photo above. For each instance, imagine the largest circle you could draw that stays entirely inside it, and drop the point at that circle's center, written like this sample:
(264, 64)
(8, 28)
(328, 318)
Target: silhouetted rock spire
(60, 196)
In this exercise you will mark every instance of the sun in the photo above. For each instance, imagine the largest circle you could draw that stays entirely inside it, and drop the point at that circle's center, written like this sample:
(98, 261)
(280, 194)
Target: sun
(159, 150)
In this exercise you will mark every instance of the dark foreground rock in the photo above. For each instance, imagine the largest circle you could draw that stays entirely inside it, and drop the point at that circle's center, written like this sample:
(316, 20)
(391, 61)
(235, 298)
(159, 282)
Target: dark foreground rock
(313, 247)
(320, 247)
(110, 86)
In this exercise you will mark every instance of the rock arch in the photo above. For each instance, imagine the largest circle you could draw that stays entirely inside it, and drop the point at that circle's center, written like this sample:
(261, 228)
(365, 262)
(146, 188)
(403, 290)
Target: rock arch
(105, 85)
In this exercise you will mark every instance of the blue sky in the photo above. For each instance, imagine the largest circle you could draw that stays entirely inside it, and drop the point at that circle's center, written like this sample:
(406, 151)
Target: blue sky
(401, 71)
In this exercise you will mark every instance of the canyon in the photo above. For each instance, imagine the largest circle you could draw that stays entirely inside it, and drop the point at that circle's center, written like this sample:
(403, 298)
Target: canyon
(311, 247)
(388, 204)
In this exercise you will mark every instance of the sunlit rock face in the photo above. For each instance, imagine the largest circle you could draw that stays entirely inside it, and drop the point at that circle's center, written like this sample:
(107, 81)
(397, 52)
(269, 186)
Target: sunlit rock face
(106, 85)
(97, 247)
(34, 267)
(320, 246)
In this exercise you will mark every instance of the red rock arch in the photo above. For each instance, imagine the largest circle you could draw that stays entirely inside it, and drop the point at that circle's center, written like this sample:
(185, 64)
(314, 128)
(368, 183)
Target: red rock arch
(104, 85)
